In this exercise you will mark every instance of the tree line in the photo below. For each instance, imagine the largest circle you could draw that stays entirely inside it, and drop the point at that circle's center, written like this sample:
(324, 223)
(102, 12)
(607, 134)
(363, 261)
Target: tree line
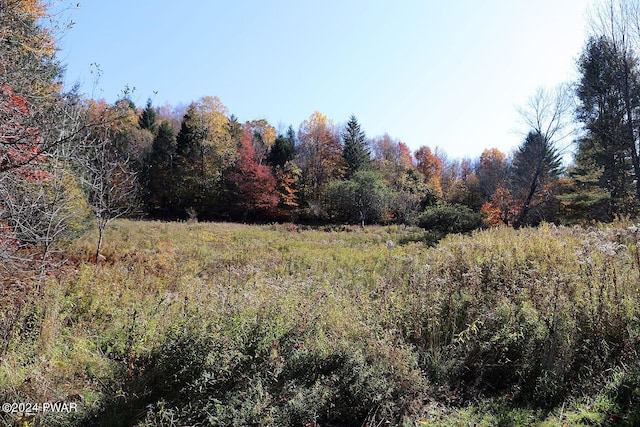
(65, 157)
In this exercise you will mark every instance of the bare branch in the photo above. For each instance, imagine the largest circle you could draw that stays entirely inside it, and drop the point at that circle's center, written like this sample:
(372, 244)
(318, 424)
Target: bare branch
(549, 112)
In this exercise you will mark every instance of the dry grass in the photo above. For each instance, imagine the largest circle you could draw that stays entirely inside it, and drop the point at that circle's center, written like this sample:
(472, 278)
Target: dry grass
(276, 325)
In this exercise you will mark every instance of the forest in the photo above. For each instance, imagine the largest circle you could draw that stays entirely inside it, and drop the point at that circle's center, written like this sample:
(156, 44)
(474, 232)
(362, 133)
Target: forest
(199, 162)
(171, 265)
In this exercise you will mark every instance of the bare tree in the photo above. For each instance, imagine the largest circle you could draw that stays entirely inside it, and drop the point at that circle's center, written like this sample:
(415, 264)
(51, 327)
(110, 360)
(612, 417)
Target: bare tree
(547, 115)
(549, 112)
(111, 185)
(38, 192)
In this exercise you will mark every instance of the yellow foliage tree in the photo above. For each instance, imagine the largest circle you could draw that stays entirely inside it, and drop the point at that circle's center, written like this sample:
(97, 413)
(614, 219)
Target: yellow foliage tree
(319, 154)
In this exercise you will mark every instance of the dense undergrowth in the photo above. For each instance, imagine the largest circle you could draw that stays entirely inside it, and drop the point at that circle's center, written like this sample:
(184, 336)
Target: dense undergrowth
(228, 324)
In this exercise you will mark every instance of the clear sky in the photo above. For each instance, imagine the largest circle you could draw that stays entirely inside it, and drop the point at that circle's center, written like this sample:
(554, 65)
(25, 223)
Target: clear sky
(441, 73)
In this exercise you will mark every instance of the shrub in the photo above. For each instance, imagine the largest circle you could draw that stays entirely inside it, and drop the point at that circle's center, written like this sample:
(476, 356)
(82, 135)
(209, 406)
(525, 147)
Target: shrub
(448, 218)
(258, 373)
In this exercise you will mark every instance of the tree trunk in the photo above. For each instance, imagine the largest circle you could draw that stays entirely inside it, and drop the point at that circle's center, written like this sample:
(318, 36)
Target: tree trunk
(630, 132)
(532, 191)
(99, 245)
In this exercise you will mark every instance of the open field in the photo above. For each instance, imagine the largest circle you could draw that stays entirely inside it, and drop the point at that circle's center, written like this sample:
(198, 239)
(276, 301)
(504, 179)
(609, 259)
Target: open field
(228, 324)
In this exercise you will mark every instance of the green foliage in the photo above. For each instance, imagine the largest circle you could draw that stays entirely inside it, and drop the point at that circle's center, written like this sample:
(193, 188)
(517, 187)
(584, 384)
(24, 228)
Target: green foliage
(447, 218)
(149, 118)
(411, 195)
(355, 152)
(263, 375)
(158, 177)
(536, 166)
(363, 198)
(606, 93)
(283, 149)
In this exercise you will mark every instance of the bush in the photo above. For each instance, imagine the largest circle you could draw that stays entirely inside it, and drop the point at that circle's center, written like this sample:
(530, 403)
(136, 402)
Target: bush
(362, 199)
(261, 373)
(447, 218)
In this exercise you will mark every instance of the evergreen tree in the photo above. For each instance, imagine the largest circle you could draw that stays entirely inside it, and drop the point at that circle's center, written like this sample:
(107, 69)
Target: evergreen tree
(286, 172)
(586, 198)
(149, 118)
(283, 149)
(536, 164)
(356, 154)
(206, 148)
(189, 162)
(234, 128)
(604, 155)
(159, 174)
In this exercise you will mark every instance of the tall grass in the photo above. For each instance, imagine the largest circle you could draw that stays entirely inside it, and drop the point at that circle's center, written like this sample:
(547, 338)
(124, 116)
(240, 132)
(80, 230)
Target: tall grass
(228, 324)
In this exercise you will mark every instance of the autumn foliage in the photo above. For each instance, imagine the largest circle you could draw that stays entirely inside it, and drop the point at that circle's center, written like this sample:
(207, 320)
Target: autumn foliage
(19, 140)
(255, 184)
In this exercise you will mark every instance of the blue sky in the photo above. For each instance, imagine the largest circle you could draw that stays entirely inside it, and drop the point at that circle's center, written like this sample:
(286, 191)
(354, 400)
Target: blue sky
(446, 74)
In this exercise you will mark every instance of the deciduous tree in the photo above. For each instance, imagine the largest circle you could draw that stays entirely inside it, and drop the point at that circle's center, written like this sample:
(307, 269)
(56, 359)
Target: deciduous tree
(362, 198)
(205, 150)
(263, 138)
(537, 161)
(460, 184)
(254, 183)
(430, 166)
(319, 155)
(491, 172)
(37, 125)
(111, 186)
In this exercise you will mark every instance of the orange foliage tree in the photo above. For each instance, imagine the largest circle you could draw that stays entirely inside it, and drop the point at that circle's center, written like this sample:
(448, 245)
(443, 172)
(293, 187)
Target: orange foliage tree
(501, 207)
(491, 171)
(430, 166)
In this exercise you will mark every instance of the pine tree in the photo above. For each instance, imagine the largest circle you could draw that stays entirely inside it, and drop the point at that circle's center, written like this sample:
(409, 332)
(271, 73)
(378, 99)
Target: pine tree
(189, 162)
(283, 149)
(536, 164)
(234, 128)
(356, 154)
(149, 118)
(586, 196)
(604, 155)
(159, 173)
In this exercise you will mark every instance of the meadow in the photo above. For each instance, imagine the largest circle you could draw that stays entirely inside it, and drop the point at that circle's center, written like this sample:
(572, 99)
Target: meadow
(278, 325)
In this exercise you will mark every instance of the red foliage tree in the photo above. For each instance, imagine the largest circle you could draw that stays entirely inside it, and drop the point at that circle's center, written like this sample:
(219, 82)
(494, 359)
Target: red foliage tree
(255, 184)
(19, 142)
(19, 150)
(404, 156)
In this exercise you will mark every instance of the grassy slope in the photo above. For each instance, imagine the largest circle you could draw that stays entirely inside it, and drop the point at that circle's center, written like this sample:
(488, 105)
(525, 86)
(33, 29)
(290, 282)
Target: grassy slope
(235, 324)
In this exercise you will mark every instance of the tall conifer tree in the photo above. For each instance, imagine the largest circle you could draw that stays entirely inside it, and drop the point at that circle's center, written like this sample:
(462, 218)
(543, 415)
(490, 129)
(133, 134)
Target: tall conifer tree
(356, 154)
(604, 156)
(159, 173)
(149, 118)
